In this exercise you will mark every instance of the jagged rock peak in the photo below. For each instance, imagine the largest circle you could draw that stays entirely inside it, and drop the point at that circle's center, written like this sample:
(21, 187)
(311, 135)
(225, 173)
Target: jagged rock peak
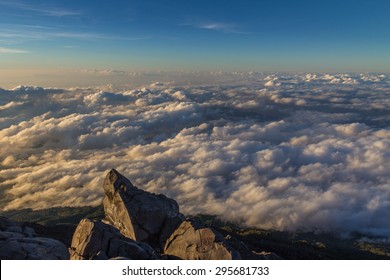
(138, 214)
(115, 181)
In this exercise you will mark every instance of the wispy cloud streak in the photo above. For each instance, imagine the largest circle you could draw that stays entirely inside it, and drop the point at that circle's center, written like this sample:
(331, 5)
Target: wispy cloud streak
(11, 51)
(20, 34)
(53, 11)
(216, 26)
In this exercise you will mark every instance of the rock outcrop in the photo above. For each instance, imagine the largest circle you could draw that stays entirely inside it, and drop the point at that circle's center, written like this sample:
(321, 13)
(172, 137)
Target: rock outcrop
(142, 225)
(97, 240)
(192, 241)
(248, 254)
(20, 243)
(135, 225)
(138, 214)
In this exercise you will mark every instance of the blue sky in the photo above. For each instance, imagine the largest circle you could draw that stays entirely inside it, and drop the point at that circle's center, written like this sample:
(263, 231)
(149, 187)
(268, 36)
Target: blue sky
(265, 35)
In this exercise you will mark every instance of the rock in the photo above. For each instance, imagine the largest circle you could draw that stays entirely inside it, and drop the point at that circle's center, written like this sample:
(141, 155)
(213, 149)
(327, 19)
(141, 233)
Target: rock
(6, 223)
(193, 241)
(29, 232)
(97, 240)
(137, 214)
(246, 253)
(267, 256)
(7, 235)
(19, 243)
(32, 248)
(16, 229)
(142, 225)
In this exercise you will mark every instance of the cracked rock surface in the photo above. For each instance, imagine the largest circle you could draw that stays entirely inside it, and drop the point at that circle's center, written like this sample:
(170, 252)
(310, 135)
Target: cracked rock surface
(94, 240)
(138, 214)
(192, 241)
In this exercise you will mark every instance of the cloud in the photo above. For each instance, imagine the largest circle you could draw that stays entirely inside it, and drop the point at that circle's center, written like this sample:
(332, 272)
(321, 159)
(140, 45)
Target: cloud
(11, 105)
(305, 154)
(52, 11)
(216, 26)
(92, 36)
(19, 33)
(12, 51)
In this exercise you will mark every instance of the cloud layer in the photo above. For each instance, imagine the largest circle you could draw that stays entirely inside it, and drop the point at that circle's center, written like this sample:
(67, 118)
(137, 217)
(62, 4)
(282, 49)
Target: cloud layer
(292, 152)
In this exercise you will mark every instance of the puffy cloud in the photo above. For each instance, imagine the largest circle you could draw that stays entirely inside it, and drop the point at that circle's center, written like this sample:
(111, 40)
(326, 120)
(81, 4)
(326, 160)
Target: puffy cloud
(307, 154)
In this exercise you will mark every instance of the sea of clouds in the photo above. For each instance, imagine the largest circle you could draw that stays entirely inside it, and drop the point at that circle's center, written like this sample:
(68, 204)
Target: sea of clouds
(290, 152)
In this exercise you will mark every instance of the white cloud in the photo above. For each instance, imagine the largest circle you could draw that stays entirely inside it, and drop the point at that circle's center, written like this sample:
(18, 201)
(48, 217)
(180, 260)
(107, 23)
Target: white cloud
(216, 26)
(11, 51)
(308, 154)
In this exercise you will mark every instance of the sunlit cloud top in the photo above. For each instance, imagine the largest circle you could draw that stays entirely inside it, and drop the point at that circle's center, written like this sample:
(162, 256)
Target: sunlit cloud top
(293, 152)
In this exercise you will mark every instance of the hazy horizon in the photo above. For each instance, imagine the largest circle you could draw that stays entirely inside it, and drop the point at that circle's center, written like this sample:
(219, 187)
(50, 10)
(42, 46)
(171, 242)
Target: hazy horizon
(122, 79)
(40, 37)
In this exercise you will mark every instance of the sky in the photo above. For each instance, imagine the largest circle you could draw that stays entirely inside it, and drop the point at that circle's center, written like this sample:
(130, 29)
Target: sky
(261, 35)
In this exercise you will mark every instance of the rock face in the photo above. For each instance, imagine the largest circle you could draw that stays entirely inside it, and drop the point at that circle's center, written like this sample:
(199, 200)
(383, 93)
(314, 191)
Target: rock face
(142, 225)
(20, 243)
(97, 240)
(193, 241)
(138, 214)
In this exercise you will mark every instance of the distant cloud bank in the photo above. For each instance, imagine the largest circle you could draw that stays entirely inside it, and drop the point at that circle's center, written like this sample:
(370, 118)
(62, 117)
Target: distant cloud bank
(292, 152)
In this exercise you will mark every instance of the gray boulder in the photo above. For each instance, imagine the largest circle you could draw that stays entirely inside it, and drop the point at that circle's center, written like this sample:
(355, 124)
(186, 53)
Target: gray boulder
(192, 241)
(19, 243)
(137, 214)
(97, 240)
(33, 248)
(6, 223)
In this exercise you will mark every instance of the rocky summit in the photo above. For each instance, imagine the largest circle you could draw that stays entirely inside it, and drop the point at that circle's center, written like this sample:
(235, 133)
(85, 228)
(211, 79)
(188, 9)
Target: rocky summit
(143, 225)
(134, 224)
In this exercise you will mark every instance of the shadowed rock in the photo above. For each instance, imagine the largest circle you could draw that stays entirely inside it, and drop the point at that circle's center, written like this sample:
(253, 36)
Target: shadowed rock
(267, 256)
(97, 240)
(19, 243)
(138, 214)
(246, 253)
(193, 241)
(6, 223)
